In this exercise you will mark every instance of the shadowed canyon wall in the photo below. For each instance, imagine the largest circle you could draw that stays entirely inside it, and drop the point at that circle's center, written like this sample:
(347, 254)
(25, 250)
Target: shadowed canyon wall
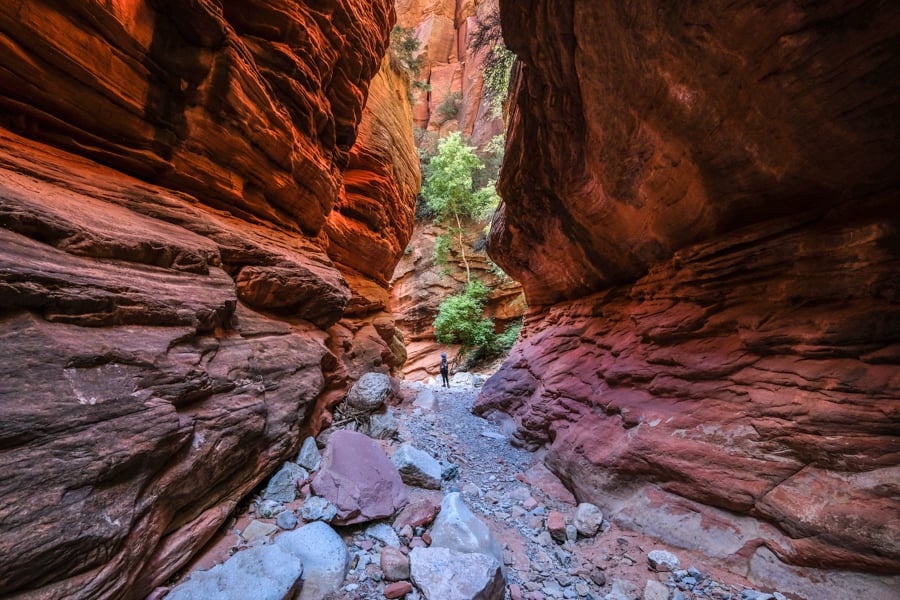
(179, 304)
(701, 204)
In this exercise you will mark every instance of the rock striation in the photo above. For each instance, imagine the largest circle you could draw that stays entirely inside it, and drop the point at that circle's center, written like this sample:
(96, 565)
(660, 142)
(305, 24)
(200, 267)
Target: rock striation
(173, 298)
(709, 244)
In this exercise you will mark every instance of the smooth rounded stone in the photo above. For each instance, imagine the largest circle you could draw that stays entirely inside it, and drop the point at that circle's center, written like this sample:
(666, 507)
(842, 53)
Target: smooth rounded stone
(394, 564)
(359, 479)
(446, 574)
(267, 509)
(309, 457)
(324, 556)
(382, 426)
(417, 468)
(457, 528)
(654, 590)
(283, 485)
(588, 519)
(384, 533)
(264, 573)
(662, 560)
(287, 520)
(369, 393)
(316, 508)
(571, 533)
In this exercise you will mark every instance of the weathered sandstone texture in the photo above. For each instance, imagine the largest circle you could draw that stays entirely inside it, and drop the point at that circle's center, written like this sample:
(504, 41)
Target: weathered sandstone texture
(700, 201)
(451, 68)
(171, 310)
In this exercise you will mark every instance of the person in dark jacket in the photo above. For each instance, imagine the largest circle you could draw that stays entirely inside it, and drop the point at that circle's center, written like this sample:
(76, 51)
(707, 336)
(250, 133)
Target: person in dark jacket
(445, 371)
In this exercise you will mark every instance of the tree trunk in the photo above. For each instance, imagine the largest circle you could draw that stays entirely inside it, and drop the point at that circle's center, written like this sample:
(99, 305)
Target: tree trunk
(462, 247)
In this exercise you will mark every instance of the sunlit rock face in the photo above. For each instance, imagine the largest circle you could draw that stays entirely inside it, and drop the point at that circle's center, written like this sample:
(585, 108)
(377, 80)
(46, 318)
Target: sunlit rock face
(170, 303)
(700, 202)
(451, 67)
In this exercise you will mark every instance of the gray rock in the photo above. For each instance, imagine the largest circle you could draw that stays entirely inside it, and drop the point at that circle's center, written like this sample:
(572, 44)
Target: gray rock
(458, 529)
(571, 533)
(622, 590)
(654, 590)
(316, 508)
(269, 508)
(287, 520)
(309, 457)
(283, 485)
(369, 393)
(426, 400)
(462, 378)
(384, 533)
(324, 556)
(264, 573)
(417, 468)
(382, 426)
(445, 574)
(588, 519)
(661, 560)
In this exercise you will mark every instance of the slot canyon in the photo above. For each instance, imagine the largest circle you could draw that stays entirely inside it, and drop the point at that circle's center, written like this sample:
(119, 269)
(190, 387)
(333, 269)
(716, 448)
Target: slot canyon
(209, 234)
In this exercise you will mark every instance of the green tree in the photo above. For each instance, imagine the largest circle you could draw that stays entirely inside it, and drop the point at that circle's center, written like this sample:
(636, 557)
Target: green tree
(450, 192)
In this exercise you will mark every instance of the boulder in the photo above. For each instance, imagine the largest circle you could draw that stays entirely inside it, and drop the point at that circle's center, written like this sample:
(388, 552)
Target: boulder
(359, 479)
(662, 560)
(446, 574)
(417, 468)
(263, 573)
(309, 457)
(324, 556)
(394, 564)
(283, 485)
(316, 508)
(654, 590)
(556, 525)
(588, 519)
(369, 393)
(382, 426)
(458, 529)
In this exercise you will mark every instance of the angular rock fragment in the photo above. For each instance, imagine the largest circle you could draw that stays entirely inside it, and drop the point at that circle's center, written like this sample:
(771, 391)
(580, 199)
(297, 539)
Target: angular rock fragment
(417, 468)
(446, 574)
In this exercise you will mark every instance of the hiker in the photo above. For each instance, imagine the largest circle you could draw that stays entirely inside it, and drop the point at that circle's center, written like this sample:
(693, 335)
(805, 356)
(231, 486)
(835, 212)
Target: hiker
(445, 371)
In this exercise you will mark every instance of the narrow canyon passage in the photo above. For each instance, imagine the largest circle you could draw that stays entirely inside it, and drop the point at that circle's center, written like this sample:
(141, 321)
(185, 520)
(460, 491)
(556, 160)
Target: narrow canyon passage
(668, 232)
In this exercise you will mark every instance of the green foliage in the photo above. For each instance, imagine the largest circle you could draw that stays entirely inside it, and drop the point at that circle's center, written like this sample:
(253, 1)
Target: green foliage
(403, 47)
(449, 182)
(488, 36)
(441, 249)
(459, 319)
(506, 340)
(449, 108)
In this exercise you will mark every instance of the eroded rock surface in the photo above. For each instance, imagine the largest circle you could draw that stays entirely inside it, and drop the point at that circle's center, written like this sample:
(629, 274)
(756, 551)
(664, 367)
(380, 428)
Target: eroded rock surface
(700, 202)
(171, 320)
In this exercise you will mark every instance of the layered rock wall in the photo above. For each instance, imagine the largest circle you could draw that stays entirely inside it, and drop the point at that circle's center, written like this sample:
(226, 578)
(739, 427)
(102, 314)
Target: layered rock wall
(700, 203)
(172, 303)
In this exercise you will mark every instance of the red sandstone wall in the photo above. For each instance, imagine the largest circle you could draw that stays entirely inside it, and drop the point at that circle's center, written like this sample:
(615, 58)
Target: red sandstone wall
(171, 310)
(700, 202)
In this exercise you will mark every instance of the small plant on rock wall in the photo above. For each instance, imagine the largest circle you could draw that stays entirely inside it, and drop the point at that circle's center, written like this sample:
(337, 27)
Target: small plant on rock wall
(488, 37)
(404, 46)
(449, 108)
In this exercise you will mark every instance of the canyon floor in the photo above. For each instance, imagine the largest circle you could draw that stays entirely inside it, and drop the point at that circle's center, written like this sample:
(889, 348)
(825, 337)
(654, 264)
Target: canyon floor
(514, 494)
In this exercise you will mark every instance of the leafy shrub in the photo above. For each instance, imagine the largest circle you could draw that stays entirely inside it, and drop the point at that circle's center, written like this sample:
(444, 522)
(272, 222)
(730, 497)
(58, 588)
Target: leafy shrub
(403, 46)
(498, 63)
(449, 108)
(459, 319)
(441, 249)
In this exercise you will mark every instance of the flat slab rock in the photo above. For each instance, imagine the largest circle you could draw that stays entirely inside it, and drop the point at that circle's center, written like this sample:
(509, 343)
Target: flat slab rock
(359, 479)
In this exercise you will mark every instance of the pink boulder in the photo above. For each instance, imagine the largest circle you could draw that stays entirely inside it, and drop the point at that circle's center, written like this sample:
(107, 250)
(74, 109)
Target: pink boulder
(359, 479)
